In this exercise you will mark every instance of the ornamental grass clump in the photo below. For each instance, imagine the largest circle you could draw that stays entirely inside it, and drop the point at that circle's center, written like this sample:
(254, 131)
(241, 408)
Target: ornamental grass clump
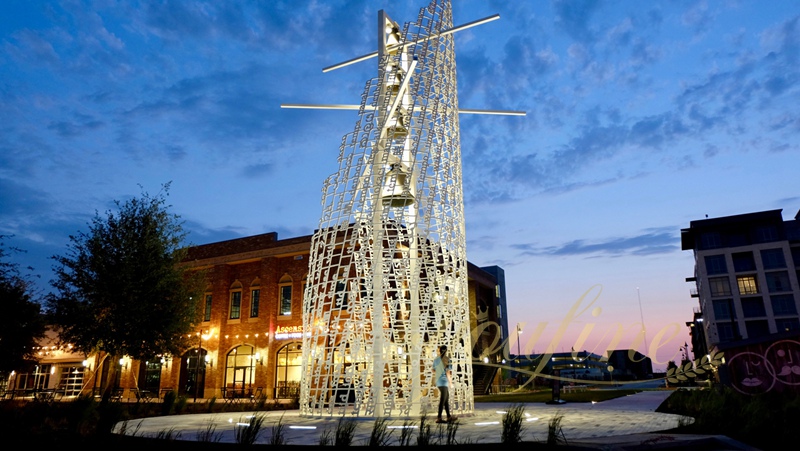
(246, 433)
(512, 424)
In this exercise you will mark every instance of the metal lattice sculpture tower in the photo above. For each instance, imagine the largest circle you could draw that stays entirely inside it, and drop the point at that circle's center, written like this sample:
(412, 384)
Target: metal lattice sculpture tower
(387, 279)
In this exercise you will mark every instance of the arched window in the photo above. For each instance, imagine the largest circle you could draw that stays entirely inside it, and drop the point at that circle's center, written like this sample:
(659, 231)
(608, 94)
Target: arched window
(289, 369)
(193, 373)
(240, 368)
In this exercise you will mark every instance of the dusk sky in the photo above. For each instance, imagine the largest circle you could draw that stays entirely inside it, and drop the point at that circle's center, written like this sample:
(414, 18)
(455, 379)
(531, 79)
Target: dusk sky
(641, 117)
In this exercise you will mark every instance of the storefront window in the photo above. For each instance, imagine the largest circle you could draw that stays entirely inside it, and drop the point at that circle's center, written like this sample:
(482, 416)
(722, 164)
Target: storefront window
(150, 374)
(71, 380)
(193, 373)
(240, 368)
(289, 370)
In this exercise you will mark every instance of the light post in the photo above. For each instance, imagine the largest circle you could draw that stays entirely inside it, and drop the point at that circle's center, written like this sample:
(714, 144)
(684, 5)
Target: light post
(519, 332)
(197, 365)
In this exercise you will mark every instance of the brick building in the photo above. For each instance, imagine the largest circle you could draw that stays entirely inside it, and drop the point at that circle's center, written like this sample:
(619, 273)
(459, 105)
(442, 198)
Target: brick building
(249, 342)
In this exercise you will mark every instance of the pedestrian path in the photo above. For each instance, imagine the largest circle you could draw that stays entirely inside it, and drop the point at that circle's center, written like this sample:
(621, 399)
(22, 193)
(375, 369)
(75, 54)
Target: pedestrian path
(624, 419)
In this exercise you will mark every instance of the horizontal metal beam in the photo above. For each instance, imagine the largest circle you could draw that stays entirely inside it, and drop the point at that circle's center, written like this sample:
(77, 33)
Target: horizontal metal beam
(356, 107)
(406, 44)
(494, 112)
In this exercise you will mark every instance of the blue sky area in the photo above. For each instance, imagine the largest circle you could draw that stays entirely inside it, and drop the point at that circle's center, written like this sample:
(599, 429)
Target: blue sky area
(641, 117)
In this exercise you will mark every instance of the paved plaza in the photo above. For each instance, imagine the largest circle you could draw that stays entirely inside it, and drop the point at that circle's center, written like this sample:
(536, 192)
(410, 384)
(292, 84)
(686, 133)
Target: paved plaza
(625, 422)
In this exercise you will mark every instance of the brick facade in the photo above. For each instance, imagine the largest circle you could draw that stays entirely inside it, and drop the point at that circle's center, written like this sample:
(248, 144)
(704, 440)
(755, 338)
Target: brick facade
(260, 262)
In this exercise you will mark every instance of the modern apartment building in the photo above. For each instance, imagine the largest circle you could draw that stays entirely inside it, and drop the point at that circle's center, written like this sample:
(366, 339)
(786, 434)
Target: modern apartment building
(747, 272)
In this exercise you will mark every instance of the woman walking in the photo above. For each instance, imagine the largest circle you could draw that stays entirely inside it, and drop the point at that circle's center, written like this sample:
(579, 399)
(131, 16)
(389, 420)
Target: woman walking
(443, 373)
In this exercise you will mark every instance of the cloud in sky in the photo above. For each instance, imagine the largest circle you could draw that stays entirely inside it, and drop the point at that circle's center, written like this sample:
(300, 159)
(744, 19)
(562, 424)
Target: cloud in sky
(661, 241)
(640, 118)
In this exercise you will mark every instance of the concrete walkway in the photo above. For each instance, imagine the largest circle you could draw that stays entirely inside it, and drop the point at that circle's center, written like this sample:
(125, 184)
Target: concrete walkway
(621, 423)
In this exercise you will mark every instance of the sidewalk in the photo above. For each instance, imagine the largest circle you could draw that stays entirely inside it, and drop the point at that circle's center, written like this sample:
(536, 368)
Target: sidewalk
(628, 423)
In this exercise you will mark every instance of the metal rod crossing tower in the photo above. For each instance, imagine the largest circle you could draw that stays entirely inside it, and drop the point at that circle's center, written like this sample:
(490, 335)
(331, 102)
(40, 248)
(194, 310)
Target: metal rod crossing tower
(387, 281)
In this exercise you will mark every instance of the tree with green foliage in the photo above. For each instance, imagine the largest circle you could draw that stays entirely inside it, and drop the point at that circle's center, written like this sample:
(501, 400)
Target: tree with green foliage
(22, 324)
(121, 288)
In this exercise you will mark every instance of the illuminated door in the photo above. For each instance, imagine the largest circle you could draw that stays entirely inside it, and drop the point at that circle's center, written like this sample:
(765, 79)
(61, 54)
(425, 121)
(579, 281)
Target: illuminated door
(240, 368)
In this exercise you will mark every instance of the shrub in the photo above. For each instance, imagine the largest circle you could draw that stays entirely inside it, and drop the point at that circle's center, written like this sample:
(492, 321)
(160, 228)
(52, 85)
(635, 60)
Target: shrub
(555, 435)
(211, 403)
(406, 432)
(246, 433)
(108, 415)
(380, 435)
(326, 438)
(278, 436)
(169, 402)
(424, 436)
(180, 404)
(345, 430)
(512, 424)
(452, 428)
(209, 434)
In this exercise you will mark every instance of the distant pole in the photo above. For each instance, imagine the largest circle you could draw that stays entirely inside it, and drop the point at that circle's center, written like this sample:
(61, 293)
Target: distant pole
(641, 315)
(519, 362)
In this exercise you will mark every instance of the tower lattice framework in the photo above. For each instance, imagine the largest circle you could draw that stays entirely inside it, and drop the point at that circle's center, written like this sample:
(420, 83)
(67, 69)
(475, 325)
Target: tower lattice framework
(387, 280)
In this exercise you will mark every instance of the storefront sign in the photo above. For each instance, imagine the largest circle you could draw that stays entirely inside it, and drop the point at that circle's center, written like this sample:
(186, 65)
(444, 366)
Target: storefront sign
(288, 332)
